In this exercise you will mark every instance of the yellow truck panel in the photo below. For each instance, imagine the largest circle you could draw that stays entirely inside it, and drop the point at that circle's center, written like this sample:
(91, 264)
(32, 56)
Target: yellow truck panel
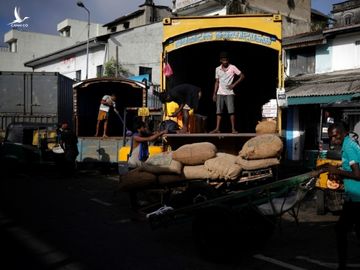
(191, 46)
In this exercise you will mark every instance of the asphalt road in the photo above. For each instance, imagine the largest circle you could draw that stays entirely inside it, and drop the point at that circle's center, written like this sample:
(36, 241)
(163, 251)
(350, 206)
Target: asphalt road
(52, 222)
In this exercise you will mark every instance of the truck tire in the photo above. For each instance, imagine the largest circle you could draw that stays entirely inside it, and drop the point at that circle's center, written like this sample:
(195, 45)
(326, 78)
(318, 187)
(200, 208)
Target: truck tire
(320, 202)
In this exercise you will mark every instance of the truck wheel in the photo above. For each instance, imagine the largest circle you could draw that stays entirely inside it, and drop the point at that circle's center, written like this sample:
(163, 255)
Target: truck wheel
(320, 202)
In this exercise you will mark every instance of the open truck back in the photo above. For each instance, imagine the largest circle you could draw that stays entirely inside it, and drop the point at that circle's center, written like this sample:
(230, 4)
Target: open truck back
(192, 45)
(87, 97)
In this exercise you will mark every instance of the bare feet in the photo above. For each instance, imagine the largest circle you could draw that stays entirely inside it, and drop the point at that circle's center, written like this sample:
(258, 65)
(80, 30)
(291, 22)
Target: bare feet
(214, 131)
(105, 136)
(234, 131)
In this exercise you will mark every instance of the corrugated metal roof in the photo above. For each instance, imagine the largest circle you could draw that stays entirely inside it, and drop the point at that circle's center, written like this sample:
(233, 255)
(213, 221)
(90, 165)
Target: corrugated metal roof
(323, 88)
(313, 38)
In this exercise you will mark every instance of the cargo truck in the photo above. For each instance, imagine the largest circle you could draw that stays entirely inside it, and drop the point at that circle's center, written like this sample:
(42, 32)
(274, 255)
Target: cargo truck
(192, 45)
(132, 96)
(35, 97)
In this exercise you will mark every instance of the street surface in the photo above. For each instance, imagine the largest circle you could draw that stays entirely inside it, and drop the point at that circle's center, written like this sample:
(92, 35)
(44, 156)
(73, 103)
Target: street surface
(52, 222)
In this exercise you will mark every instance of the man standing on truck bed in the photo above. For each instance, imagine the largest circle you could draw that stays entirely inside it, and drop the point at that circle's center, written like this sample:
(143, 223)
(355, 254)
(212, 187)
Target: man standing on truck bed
(224, 90)
(187, 97)
(103, 116)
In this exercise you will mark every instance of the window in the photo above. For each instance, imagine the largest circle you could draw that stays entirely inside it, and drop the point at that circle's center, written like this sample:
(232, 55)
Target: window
(66, 31)
(78, 75)
(113, 29)
(99, 71)
(13, 45)
(348, 19)
(126, 25)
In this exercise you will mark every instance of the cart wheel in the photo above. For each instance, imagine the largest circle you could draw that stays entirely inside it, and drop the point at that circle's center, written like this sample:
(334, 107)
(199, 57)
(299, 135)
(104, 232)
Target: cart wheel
(320, 202)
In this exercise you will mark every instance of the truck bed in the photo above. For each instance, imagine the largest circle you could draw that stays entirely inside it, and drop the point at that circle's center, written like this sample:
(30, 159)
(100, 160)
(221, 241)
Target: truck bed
(99, 149)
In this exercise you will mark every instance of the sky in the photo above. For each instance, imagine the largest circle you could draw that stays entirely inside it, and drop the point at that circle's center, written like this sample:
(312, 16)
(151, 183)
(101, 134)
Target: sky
(46, 14)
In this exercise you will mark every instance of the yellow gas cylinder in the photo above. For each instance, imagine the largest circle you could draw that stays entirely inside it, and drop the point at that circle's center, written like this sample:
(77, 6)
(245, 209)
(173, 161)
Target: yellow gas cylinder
(125, 151)
(322, 179)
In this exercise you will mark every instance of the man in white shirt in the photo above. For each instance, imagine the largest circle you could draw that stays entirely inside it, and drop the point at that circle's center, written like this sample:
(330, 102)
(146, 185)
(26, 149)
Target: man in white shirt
(224, 90)
(105, 104)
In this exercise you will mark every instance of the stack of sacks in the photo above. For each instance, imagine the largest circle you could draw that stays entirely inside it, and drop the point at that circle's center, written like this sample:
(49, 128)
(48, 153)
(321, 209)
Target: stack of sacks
(195, 153)
(223, 166)
(260, 152)
(266, 127)
(136, 179)
(150, 173)
(193, 156)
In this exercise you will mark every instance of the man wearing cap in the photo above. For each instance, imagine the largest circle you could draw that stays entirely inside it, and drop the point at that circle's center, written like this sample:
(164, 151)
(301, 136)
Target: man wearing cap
(224, 90)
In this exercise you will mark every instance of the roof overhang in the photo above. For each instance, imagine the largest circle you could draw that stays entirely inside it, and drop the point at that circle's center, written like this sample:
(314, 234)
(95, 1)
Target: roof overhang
(125, 18)
(324, 88)
(105, 80)
(318, 99)
(80, 47)
(303, 40)
(342, 30)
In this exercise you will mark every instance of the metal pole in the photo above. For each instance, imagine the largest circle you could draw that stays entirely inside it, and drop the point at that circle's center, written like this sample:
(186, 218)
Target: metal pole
(87, 45)
(81, 4)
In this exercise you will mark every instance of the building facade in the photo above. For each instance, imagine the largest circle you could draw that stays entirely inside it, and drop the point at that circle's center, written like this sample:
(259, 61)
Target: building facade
(147, 13)
(296, 14)
(323, 71)
(24, 46)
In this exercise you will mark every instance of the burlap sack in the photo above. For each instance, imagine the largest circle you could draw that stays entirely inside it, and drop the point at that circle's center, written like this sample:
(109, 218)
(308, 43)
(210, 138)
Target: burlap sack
(223, 167)
(196, 172)
(266, 127)
(262, 146)
(162, 163)
(136, 179)
(256, 164)
(195, 154)
(165, 179)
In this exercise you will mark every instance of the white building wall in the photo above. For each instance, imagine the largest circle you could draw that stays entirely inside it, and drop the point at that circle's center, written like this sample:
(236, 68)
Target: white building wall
(345, 52)
(68, 66)
(78, 29)
(217, 12)
(30, 45)
(141, 46)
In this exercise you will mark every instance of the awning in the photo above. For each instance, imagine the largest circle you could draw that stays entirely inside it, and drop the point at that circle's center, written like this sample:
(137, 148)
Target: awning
(317, 99)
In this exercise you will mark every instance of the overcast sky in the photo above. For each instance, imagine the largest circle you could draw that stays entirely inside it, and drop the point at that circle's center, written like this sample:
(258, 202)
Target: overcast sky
(46, 14)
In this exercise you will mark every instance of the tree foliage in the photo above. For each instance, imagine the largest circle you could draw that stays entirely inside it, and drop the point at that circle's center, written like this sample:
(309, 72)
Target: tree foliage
(113, 69)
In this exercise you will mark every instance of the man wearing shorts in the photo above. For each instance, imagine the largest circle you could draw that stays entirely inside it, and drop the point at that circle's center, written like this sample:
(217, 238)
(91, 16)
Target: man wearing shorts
(105, 104)
(187, 97)
(224, 90)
